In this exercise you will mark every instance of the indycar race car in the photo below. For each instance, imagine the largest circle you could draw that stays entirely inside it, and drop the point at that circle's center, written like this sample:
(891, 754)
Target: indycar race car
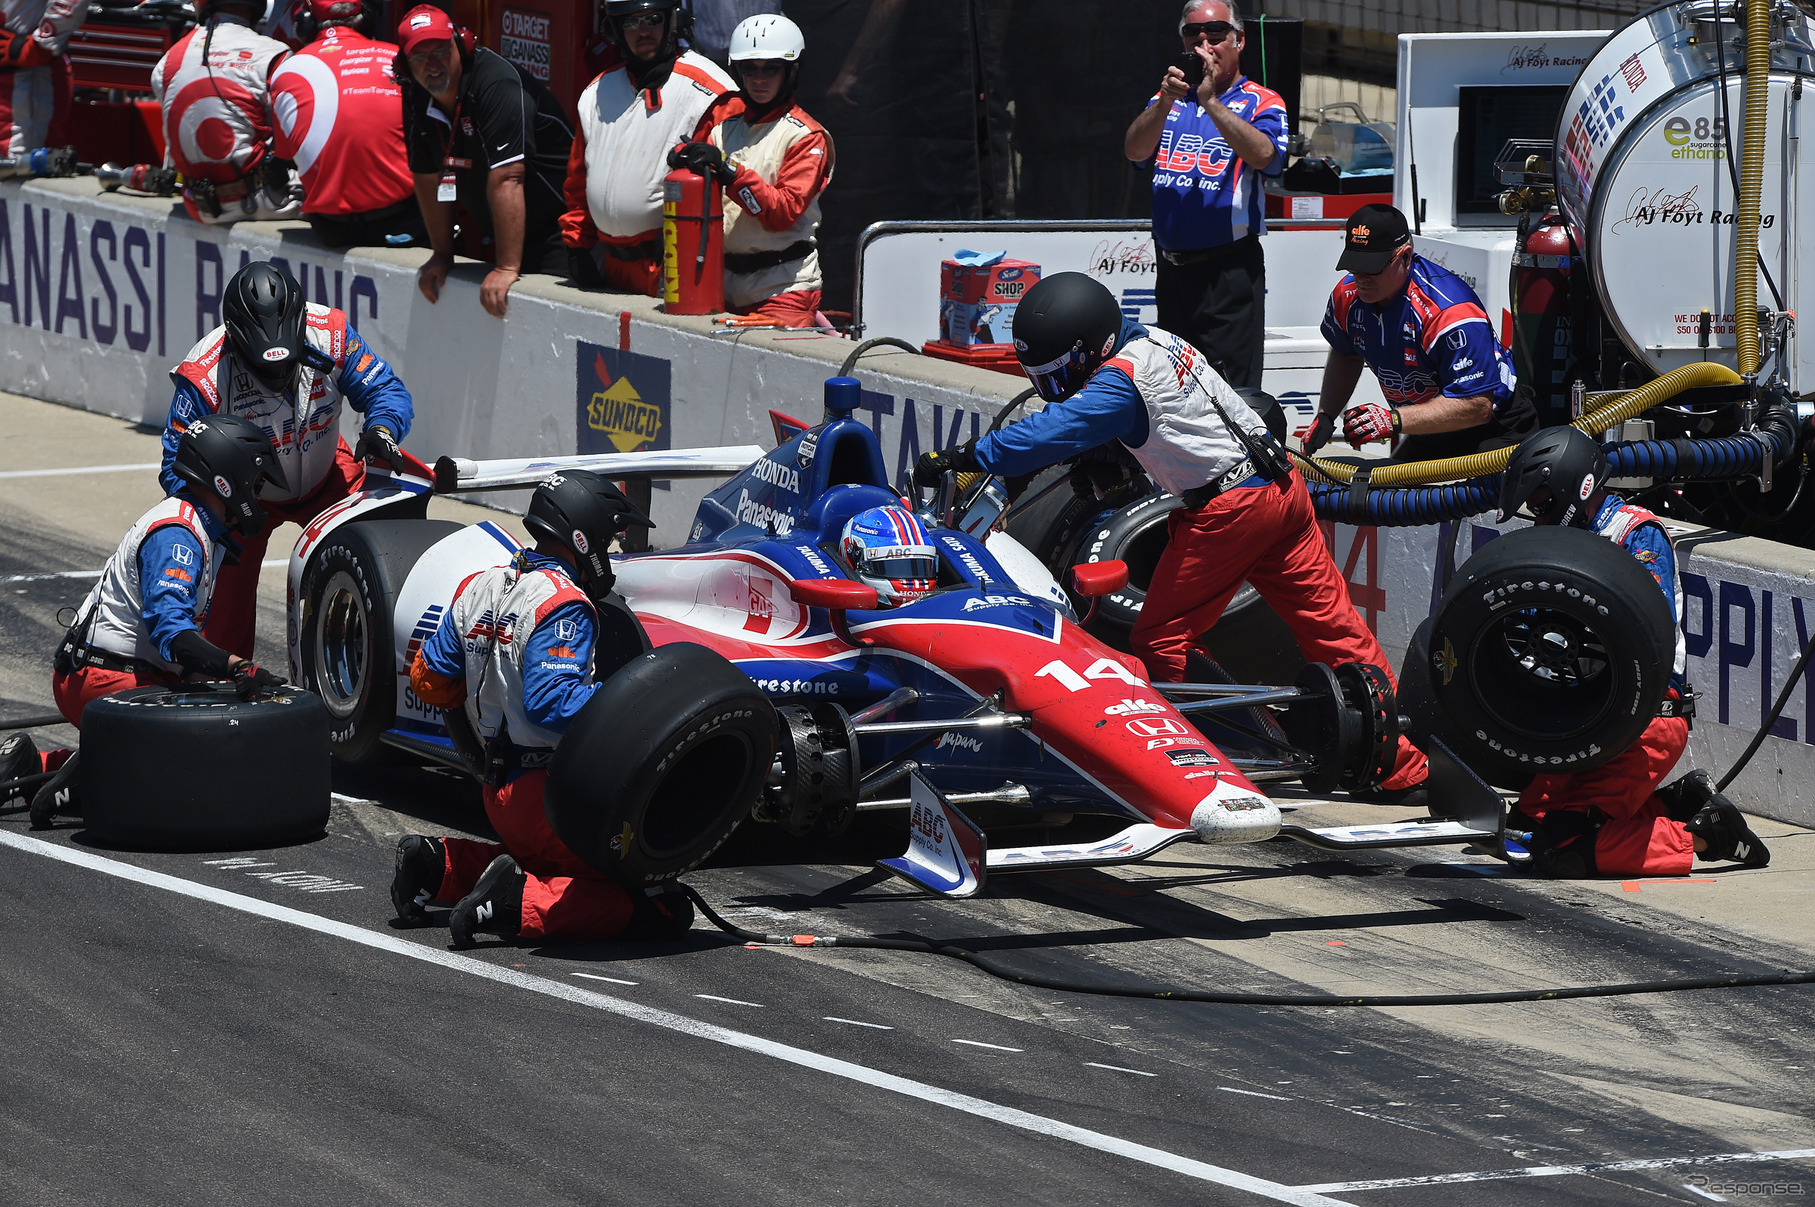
(758, 678)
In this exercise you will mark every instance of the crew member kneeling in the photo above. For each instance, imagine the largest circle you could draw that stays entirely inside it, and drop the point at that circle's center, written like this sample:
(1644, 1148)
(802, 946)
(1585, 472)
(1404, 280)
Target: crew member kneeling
(1614, 820)
(512, 665)
(286, 365)
(1154, 392)
(141, 624)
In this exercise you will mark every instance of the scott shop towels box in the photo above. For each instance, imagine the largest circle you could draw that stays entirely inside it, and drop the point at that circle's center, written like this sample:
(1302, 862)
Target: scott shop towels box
(978, 292)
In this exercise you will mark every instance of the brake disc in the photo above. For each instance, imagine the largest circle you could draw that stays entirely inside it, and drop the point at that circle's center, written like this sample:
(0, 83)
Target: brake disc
(1325, 725)
(818, 771)
(1368, 691)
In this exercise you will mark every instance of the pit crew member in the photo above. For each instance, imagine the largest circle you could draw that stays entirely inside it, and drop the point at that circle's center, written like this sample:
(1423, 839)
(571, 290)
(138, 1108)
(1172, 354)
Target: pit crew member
(213, 87)
(1153, 391)
(1422, 330)
(630, 118)
(141, 624)
(337, 113)
(774, 162)
(1210, 145)
(889, 549)
(1614, 820)
(511, 666)
(482, 132)
(36, 89)
(286, 365)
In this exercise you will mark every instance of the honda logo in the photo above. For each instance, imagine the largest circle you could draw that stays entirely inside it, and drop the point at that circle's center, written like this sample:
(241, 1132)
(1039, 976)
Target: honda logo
(1156, 727)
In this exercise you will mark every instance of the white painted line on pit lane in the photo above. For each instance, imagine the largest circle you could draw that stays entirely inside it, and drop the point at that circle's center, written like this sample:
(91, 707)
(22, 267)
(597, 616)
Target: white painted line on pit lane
(78, 469)
(681, 1024)
(977, 1043)
(1709, 1195)
(1558, 1171)
(713, 997)
(854, 1023)
(1118, 1069)
(592, 976)
(1229, 1089)
(39, 578)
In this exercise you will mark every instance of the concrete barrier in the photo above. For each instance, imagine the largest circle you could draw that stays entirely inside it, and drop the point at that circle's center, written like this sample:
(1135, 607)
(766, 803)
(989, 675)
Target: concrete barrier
(101, 295)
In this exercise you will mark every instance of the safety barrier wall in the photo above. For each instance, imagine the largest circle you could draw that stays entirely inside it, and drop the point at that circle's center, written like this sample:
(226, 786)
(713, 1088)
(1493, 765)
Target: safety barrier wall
(101, 295)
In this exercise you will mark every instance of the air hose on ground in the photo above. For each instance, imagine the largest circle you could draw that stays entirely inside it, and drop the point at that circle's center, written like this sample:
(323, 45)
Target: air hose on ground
(881, 341)
(1176, 994)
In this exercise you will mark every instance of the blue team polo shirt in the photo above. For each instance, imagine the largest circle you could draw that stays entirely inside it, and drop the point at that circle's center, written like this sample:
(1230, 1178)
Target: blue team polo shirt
(1204, 194)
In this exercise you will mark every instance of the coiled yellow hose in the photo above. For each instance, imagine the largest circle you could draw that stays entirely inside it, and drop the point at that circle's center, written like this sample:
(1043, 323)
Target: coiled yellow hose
(1751, 183)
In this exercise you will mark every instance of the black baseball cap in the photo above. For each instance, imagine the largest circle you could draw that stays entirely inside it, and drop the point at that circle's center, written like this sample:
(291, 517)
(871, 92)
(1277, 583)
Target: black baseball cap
(1370, 237)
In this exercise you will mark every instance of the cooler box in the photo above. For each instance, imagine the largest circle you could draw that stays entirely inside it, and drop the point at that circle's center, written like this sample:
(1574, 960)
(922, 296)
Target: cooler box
(978, 295)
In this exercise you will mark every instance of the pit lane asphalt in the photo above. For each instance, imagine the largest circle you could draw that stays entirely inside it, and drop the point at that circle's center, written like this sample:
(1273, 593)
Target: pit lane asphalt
(169, 1045)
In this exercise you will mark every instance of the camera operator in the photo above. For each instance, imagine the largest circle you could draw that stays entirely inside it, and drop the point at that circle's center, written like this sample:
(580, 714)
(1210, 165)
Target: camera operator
(1212, 133)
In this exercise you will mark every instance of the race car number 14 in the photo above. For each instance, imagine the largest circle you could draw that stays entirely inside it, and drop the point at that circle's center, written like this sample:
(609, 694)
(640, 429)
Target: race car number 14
(1102, 668)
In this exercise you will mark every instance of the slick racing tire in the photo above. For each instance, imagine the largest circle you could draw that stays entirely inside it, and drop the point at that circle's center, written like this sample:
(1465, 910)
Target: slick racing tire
(195, 768)
(1549, 653)
(661, 765)
(347, 643)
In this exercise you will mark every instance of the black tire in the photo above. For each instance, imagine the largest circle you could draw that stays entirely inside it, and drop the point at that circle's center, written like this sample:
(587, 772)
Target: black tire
(347, 648)
(1267, 407)
(1416, 703)
(1549, 653)
(665, 760)
(1048, 528)
(197, 768)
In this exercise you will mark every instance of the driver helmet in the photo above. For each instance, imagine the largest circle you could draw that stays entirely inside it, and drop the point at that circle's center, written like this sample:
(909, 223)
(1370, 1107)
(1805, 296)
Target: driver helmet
(266, 316)
(228, 457)
(1065, 327)
(888, 548)
(1565, 460)
(766, 37)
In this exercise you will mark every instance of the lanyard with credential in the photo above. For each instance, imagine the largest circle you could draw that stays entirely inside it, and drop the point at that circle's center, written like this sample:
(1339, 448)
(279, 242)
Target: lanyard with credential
(448, 189)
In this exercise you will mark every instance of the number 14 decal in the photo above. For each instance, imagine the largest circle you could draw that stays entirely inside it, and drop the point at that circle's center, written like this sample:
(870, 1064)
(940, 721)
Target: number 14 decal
(1102, 668)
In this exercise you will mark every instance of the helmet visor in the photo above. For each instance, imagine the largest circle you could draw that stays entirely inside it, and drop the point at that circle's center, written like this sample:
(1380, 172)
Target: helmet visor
(1060, 377)
(901, 567)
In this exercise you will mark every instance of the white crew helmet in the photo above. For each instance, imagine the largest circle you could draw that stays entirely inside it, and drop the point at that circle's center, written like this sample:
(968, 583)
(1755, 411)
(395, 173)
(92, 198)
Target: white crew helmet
(767, 36)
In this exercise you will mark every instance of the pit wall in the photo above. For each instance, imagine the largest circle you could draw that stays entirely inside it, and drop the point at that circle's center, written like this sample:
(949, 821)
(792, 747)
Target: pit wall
(100, 296)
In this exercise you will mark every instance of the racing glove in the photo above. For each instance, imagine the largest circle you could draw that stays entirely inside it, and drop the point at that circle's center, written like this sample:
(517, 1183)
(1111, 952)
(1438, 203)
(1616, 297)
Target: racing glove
(249, 679)
(1369, 421)
(1322, 428)
(705, 159)
(960, 458)
(23, 50)
(377, 444)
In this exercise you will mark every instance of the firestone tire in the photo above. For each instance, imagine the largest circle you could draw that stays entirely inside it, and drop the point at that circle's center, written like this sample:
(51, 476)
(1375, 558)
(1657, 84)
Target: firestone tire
(347, 644)
(263, 780)
(1549, 653)
(665, 760)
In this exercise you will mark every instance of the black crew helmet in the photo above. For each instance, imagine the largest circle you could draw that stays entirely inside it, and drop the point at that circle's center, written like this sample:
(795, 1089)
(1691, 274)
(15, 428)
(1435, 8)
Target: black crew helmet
(266, 316)
(584, 512)
(1065, 327)
(1566, 460)
(679, 25)
(227, 457)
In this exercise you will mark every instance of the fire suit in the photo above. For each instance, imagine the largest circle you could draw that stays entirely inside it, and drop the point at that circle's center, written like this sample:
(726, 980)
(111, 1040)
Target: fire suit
(784, 162)
(338, 115)
(35, 86)
(157, 586)
(217, 125)
(524, 633)
(1636, 837)
(304, 426)
(1152, 394)
(627, 126)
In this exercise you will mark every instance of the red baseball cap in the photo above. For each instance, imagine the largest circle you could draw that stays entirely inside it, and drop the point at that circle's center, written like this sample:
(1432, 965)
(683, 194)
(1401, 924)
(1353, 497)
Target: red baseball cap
(424, 23)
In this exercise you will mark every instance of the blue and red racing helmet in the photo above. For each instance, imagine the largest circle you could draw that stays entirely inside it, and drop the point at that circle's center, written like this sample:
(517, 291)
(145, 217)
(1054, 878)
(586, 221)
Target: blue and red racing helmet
(888, 548)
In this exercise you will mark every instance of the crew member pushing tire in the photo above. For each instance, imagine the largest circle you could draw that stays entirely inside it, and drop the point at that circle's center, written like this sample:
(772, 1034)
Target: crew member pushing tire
(511, 667)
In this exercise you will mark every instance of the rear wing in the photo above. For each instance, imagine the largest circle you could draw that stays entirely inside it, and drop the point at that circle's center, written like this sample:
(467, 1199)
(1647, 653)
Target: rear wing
(459, 475)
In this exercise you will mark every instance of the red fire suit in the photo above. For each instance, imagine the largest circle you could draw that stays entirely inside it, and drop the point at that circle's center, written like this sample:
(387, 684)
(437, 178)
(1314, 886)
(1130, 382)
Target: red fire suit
(1637, 838)
(35, 85)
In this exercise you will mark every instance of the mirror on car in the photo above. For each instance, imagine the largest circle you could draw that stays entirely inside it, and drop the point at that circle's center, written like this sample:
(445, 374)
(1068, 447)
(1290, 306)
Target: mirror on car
(837, 593)
(1095, 579)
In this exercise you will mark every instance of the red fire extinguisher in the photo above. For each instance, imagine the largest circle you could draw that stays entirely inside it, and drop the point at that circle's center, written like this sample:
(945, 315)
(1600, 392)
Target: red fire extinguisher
(693, 243)
(1545, 346)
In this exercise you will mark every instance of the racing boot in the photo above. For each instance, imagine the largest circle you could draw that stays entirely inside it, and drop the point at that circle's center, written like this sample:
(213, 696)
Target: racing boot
(61, 793)
(1685, 798)
(494, 907)
(421, 862)
(659, 913)
(1722, 827)
(18, 756)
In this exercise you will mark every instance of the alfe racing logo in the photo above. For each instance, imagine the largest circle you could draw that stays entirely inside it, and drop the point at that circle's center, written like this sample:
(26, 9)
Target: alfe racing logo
(1129, 707)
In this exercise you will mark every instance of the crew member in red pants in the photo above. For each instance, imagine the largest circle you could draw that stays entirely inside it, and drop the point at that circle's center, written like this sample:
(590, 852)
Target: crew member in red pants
(1117, 380)
(524, 634)
(285, 364)
(1614, 820)
(142, 622)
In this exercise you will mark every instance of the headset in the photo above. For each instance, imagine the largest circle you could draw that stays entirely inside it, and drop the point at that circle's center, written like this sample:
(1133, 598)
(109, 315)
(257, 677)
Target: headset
(303, 20)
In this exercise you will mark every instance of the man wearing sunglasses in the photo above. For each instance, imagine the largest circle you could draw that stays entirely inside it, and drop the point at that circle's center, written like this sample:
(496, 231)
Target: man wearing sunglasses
(630, 118)
(1448, 383)
(1212, 134)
